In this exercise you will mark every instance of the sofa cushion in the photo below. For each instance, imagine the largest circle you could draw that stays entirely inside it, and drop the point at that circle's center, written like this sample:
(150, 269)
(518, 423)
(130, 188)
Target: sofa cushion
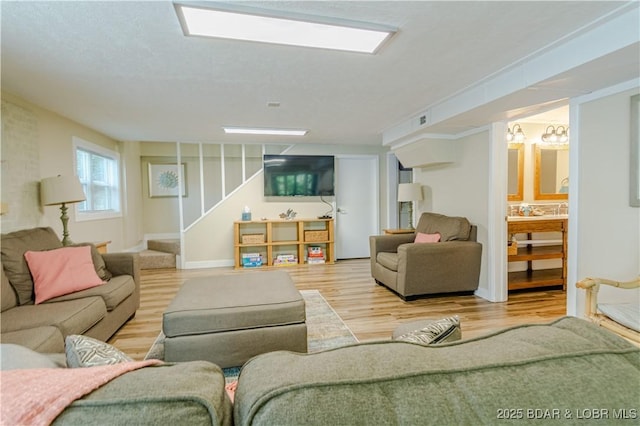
(113, 292)
(71, 317)
(8, 297)
(16, 357)
(98, 261)
(12, 249)
(61, 271)
(84, 351)
(427, 238)
(44, 339)
(450, 228)
(388, 260)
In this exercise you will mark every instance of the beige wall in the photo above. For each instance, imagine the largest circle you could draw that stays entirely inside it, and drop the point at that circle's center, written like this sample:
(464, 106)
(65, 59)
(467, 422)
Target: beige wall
(53, 136)
(461, 189)
(608, 229)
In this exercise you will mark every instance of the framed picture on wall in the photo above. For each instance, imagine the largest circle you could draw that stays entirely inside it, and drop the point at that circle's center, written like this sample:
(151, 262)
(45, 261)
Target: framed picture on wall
(165, 181)
(634, 176)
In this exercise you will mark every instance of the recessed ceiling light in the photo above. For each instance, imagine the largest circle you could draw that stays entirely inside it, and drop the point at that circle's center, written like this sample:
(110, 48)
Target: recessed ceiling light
(251, 25)
(265, 131)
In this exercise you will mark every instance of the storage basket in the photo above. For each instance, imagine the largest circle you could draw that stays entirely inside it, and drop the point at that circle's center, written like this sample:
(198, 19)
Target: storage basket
(314, 236)
(252, 238)
(512, 248)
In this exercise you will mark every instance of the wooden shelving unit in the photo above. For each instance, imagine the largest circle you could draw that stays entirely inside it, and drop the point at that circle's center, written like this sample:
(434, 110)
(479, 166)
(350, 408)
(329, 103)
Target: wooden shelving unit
(530, 250)
(284, 236)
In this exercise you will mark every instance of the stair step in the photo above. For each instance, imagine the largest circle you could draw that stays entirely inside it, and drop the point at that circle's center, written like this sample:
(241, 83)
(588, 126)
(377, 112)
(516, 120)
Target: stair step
(152, 259)
(167, 246)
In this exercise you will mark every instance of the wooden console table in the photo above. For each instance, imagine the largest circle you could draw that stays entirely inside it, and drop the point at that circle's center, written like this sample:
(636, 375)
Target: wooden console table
(399, 231)
(530, 250)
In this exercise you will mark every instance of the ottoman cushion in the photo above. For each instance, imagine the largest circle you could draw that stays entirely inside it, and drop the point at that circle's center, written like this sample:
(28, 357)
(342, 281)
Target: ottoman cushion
(234, 302)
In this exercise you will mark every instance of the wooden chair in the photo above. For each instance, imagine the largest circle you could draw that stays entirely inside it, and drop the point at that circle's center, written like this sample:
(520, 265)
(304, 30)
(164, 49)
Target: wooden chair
(592, 286)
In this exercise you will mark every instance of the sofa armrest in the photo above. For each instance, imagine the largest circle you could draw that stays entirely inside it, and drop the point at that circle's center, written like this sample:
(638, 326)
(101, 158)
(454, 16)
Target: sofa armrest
(386, 243)
(123, 264)
(446, 264)
(182, 393)
(389, 243)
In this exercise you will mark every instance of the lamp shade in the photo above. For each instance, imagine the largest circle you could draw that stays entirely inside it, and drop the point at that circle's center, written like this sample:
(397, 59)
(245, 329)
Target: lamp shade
(61, 189)
(409, 192)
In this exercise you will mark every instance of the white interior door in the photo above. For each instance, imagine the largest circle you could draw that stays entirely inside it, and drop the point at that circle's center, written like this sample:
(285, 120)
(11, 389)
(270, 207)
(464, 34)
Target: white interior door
(356, 205)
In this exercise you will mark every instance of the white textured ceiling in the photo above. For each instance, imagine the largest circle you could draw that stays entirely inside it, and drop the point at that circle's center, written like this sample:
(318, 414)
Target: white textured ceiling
(127, 70)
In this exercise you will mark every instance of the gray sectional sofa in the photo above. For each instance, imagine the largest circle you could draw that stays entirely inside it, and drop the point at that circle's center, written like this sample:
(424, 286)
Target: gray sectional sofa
(97, 312)
(565, 372)
(562, 372)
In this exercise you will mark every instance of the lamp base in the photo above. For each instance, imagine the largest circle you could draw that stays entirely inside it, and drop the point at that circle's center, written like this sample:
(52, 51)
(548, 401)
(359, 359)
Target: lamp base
(66, 241)
(411, 215)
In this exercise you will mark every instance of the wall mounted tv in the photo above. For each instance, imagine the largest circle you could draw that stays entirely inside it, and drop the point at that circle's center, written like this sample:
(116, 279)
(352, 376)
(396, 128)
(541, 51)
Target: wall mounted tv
(298, 175)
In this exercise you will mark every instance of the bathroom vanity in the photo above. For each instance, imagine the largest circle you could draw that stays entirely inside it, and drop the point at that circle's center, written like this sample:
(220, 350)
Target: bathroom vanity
(532, 246)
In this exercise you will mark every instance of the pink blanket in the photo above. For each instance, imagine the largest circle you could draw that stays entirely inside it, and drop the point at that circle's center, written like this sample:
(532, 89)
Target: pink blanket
(38, 396)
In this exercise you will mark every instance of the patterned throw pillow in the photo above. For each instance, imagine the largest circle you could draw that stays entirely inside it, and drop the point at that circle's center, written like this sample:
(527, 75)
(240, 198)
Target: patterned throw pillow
(83, 351)
(434, 332)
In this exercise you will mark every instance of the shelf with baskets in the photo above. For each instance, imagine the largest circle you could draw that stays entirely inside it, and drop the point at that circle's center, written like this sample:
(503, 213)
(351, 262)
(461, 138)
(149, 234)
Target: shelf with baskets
(531, 250)
(280, 242)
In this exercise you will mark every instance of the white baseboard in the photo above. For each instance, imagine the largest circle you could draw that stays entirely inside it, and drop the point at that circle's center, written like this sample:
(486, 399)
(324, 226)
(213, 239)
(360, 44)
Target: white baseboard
(208, 264)
(484, 293)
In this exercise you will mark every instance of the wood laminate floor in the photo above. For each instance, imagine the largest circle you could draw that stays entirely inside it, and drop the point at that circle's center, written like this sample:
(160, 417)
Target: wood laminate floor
(371, 311)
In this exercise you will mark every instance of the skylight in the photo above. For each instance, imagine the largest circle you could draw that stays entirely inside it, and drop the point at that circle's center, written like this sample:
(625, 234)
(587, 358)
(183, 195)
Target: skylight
(199, 21)
(264, 131)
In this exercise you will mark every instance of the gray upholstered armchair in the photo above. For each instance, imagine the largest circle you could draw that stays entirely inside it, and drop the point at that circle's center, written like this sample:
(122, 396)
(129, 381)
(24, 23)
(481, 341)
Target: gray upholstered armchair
(414, 269)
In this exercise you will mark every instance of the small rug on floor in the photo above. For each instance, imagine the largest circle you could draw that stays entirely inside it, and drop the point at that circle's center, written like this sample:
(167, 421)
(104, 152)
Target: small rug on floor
(325, 330)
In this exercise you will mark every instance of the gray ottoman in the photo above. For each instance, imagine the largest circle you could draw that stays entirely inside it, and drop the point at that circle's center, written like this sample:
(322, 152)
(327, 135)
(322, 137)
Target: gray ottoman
(228, 319)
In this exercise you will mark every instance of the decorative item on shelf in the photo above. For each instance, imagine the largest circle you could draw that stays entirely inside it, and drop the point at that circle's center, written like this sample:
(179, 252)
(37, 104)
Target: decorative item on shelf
(285, 260)
(252, 238)
(315, 255)
(517, 135)
(288, 215)
(62, 190)
(315, 236)
(525, 209)
(246, 214)
(409, 192)
(251, 260)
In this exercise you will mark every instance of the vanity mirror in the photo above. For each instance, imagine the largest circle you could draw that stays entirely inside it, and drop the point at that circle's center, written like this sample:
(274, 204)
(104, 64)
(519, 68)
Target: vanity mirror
(551, 177)
(515, 181)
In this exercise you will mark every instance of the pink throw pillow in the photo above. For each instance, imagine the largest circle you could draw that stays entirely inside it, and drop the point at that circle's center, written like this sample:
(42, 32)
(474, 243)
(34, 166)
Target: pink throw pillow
(427, 238)
(61, 271)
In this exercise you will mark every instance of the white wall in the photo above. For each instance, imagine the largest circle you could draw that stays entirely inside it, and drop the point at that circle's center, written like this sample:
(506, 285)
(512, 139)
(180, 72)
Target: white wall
(607, 241)
(209, 242)
(461, 189)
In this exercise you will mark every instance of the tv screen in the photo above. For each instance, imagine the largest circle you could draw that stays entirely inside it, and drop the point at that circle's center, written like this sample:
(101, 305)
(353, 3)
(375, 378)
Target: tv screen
(298, 175)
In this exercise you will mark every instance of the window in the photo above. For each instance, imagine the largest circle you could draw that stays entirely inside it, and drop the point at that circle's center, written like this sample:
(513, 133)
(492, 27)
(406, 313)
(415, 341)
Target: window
(98, 169)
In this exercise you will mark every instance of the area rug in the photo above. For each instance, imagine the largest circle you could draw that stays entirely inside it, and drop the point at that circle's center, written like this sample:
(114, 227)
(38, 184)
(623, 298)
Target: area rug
(325, 330)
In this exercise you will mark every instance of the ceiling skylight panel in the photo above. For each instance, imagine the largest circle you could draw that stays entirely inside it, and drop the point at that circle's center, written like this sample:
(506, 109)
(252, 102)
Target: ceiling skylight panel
(198, 21)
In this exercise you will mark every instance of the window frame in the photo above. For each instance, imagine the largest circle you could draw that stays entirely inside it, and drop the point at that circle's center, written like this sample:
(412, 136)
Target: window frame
(84, 145)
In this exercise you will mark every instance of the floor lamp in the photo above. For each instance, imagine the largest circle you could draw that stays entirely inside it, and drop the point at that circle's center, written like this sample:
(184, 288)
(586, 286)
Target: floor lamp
(62, 190)
(409, 192)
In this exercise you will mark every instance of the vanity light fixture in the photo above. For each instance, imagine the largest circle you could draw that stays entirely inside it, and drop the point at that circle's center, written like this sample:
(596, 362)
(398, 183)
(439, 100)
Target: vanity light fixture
(555, 135)
(265, 131)
(248, 24)
(517, 135)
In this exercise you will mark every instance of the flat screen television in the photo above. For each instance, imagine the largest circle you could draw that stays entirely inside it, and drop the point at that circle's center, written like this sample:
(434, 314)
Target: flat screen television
(298, 175)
